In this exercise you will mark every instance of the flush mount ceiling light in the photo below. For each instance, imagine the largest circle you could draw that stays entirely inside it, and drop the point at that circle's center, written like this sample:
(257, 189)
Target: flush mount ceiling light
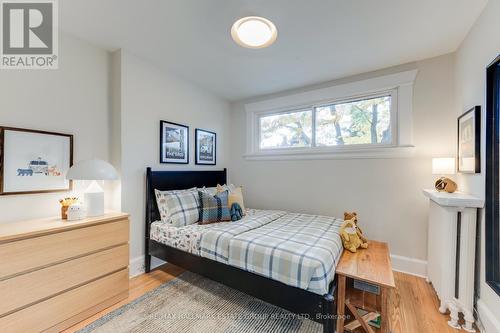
(254, 32)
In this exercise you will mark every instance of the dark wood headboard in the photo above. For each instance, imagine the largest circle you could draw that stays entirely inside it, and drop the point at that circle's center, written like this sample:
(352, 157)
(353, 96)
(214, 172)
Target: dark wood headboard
(176, 180)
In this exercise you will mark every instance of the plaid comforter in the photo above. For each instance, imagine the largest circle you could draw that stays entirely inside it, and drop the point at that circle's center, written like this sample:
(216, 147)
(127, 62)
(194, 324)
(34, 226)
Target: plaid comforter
(296, 249)
(214, 242)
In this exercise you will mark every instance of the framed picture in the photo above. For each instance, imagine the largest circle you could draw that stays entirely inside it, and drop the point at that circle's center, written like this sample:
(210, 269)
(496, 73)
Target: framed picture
(174, 143)
(469, 144)
(206, 147)
(34, 161)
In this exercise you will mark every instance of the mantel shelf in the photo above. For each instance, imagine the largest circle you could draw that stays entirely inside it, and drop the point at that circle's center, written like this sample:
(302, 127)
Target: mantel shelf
(457, 199)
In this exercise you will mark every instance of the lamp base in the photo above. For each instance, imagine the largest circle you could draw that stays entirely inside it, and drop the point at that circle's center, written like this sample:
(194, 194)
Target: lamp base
(444, 184)
(94, 203)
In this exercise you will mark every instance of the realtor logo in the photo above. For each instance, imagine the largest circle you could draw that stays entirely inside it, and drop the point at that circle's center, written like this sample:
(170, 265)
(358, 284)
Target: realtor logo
(29, 34)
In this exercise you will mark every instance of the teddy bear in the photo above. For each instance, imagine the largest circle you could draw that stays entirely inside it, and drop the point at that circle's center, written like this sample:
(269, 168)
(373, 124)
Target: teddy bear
(352, 237)
(236, 212)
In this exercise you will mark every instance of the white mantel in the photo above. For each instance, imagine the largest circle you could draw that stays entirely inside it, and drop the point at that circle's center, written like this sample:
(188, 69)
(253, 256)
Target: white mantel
(452, 222)
(456, 199)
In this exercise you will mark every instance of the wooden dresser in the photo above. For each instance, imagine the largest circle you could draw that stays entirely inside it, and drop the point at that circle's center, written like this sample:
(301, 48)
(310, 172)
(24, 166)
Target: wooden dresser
(55, 273)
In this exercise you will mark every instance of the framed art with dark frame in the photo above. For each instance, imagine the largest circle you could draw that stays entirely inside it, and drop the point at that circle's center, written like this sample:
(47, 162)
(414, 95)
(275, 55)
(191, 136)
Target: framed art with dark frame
(469, 141)
(205, 147)
(174, 143)
(33, 161)
(492, 223)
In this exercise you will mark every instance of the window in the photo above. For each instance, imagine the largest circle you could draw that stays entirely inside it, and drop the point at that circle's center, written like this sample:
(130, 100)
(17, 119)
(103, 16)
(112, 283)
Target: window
(361, 121)
(284, 130)
(365, 121)
(371, 118)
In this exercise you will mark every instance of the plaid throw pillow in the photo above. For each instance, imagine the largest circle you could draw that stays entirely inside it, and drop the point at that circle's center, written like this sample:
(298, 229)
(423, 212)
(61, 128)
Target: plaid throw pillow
(213, 208)
(179, 208)
(235, 195)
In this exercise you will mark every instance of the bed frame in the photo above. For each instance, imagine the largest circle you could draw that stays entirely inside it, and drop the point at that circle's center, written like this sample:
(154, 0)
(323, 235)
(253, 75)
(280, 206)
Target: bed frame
(319, 308)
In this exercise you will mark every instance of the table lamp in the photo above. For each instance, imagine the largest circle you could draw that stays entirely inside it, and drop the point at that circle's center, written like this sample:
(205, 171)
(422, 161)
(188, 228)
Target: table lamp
(444, 166)
(93, 170)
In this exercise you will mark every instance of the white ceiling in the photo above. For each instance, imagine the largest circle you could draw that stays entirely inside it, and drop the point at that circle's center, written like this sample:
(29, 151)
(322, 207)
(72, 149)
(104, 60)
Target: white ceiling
(318, 40)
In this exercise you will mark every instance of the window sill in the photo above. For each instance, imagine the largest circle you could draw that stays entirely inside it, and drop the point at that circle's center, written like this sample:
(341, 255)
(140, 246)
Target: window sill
(332, 154)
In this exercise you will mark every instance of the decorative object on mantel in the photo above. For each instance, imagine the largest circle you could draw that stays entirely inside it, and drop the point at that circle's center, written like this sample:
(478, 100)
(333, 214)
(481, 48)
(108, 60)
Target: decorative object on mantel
(33, 161)
(445, 184)
(469, 141)
(174, 143)
(452, 248)
(65, 203)
(205, 147)
(444, 166)
(93, 170)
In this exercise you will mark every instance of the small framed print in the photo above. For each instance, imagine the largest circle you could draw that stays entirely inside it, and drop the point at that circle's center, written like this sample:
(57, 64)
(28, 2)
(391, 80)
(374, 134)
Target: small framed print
(174, 143)
(34, 161)
(469, 144)
(206, 147)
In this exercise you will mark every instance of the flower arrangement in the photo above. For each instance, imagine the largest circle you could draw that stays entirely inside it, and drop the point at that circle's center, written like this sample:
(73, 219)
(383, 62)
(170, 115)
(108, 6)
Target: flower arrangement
(65, 203)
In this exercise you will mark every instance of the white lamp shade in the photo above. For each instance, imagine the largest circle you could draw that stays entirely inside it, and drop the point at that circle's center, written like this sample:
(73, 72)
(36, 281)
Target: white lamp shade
(92, 170)
(443, 166)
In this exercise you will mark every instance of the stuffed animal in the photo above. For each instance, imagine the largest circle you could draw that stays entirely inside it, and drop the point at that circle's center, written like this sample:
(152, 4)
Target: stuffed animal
(352, 236)
(354, 215)
(236, 212)
(349, 236)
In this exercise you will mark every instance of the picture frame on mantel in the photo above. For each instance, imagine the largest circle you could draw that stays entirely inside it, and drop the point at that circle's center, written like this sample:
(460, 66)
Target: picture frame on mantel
(469, 141)
(34, 161)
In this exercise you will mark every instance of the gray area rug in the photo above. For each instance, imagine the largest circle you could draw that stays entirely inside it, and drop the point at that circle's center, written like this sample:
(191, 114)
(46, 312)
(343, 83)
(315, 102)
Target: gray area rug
(191, 303)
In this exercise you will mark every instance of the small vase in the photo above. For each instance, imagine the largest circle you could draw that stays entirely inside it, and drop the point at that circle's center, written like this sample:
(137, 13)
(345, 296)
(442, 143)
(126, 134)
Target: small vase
(64, 212)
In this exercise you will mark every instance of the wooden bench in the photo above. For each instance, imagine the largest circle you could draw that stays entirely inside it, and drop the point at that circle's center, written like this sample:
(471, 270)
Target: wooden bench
(371, 266)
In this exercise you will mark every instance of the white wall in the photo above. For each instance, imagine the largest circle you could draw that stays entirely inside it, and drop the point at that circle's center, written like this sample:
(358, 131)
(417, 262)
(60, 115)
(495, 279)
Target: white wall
(387, 193)
(72, 99)
(480, 47)
(149, 95)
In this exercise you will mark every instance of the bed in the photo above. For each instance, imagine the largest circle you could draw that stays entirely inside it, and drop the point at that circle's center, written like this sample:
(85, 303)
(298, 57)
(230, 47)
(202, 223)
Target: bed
(283, 258)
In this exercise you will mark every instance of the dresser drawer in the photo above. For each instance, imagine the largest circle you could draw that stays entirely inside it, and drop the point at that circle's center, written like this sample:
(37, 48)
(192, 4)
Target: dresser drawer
(26, 289)
(49, 313)
(29, 254)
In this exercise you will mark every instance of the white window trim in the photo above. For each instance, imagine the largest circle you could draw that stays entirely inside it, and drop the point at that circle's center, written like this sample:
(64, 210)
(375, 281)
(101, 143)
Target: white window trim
(399, 86)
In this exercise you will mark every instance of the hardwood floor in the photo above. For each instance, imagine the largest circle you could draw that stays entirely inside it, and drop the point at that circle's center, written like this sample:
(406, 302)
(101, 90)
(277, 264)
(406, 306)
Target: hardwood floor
(412, 306)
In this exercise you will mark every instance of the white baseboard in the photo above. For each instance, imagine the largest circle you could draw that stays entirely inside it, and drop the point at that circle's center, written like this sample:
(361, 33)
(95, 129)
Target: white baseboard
(487, 319)
(137, 265)
(407, 265)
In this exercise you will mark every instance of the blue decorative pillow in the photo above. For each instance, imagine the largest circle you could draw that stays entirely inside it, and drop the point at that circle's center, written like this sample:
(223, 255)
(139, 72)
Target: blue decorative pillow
(213, 208)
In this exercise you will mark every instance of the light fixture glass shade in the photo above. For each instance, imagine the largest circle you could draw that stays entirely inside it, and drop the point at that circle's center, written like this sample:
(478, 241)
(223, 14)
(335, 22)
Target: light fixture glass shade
(254, 32)
(443, 166)
(92, 170)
